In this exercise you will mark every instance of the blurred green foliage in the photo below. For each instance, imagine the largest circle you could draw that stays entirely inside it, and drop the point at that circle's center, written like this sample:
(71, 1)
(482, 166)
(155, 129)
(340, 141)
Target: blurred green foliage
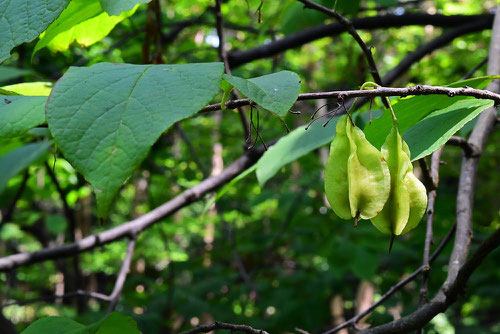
(297, 254)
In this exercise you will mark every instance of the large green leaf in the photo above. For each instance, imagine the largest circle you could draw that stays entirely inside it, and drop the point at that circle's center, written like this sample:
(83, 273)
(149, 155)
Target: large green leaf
(275, 92)
(106, 117)
(292, 146)
(23, 20)
(434, 130)
(115, 7)
(412, 109)
(18, 114)
(16, 160)
(53, 325)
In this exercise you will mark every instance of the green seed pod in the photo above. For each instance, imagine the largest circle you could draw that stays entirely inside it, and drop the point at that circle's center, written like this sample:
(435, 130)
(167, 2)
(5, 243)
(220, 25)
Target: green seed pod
(418, 196)
(407, 200)
(357, 179)
(368, 175)
(336, 182)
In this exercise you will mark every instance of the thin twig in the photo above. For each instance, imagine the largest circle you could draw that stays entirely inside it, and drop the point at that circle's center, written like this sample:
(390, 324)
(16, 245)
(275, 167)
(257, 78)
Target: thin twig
(470, 74)
(352, 31)
(122, 276)
(224, 325)
(376, 92)
(468, 148)
(394, 288)
(12, 206)
(434, 174)
(224, 59)
(72, 294)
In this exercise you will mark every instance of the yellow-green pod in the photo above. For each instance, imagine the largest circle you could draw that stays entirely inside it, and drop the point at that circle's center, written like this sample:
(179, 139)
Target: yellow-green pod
(418, 195)
(336, 185)
(394, 217)
(368, 176)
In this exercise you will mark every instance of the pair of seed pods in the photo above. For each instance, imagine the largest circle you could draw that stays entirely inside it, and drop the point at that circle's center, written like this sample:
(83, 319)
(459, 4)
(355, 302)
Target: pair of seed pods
(363, 182)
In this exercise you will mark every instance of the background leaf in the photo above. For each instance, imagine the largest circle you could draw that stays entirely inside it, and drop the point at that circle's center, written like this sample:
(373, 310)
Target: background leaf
(78, 11)
(89, 31)
(292, 146)
(275, 92)
(115, 7)
(53, 325)
(106, 117)
(18, 114)
(16, 160)
(30, 88)
(8, 73)
(23, 20)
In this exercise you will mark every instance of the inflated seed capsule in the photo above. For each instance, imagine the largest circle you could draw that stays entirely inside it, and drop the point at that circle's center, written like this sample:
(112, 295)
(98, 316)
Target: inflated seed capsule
(336, 182)
(408, 200)
(418, 195)
(368, 176)
(394, 217)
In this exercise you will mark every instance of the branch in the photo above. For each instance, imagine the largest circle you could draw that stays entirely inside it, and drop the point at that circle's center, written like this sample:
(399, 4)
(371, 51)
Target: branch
(394, 288)
(445, 297)
(377, 92)
(434, 174)
(112, 298)
(224, 325)
(138, 225)
(224, 59)
(347, 24)
(72, 294)
(463, 22)
(459, 270)
(436, 43)
(12, 206)
(468, 148)
(122, 276)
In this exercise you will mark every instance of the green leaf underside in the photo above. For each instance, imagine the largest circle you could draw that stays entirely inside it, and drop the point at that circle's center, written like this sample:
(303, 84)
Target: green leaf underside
(114, 323)
(292, 146)
(77, 12)
(18, 159)
(18, 114)
(106, 117)
(227, 187)
(411, 110)
(116, 7)
(275, 92)
(434, 130)
(23, 20)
